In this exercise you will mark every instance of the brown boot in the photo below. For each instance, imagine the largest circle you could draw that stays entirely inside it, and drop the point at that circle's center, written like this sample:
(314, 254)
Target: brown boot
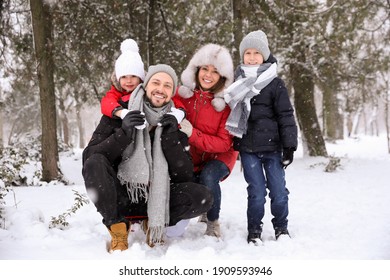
(203, 218)
(119, 234)
(213, 229)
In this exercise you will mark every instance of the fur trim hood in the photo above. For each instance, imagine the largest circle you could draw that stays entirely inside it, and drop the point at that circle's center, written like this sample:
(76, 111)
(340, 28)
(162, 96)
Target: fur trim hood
(115, 82)
(216, 55)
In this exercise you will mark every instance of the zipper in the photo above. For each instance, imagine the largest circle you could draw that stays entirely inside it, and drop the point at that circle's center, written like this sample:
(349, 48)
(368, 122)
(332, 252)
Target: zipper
(197, 109)
(198, 106)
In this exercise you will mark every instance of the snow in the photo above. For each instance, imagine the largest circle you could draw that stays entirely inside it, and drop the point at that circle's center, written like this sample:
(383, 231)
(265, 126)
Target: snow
(334, 216)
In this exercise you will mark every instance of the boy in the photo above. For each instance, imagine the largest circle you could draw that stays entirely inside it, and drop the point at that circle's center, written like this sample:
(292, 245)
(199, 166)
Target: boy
(262, 121)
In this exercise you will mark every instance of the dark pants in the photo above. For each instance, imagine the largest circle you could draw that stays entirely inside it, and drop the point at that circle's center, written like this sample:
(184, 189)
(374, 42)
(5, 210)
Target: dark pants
(187, 200)
(212, 173)
(264, 171)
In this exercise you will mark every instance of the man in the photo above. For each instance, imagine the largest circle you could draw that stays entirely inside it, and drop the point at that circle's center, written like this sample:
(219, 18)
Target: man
(138, 168)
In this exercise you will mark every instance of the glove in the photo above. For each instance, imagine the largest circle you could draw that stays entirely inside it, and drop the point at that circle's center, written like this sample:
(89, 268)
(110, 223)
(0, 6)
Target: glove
(186, 127)
(169, 123)
(178, 114)
(288, 157)
(131, 120)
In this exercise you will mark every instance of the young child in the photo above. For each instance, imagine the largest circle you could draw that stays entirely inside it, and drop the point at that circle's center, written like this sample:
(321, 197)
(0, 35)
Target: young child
(262, 121)
(129, 73)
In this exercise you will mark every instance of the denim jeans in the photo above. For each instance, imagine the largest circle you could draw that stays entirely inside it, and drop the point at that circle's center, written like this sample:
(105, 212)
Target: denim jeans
(210, 176)
(262, 171)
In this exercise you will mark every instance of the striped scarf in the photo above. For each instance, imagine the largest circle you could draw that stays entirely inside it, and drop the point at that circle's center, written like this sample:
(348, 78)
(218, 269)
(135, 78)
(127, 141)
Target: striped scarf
(239, 94)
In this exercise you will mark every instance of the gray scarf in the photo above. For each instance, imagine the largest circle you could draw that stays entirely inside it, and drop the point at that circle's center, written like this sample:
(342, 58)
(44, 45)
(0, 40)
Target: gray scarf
(239, 94)
(144, 169)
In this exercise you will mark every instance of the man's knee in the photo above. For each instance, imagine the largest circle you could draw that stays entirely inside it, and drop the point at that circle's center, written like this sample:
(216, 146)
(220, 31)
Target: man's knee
(203, 197)
(198, 196)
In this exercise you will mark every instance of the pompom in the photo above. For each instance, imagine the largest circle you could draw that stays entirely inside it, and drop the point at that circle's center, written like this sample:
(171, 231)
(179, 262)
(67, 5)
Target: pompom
(218, 104)
(185, 92)
(129, 45)
(218, 101)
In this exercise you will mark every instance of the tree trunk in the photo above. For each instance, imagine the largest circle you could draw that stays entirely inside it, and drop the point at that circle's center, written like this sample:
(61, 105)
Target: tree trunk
(80, 126)
(65, 129)
(1, 124)
(356, 120)
(333, 126)
(237, 30)
(64, 122)
(387, 114)
(303, 84)
(150, 32)
(42, 28)
(387, 120)
(373, 122)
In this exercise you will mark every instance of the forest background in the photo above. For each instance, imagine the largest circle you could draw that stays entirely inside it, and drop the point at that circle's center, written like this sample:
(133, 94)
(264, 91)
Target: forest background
(57, 58)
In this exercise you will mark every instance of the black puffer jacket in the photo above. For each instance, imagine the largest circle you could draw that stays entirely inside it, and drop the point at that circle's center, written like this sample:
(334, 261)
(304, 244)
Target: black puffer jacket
(271, 123)
(110, 140)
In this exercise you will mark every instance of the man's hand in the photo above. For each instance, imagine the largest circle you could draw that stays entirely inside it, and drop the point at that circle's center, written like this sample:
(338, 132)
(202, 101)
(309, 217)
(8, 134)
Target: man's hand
(131, 120)
(169, 123)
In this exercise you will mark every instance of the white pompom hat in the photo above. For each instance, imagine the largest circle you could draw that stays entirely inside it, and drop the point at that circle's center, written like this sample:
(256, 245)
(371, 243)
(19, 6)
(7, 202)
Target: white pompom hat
(129, 62)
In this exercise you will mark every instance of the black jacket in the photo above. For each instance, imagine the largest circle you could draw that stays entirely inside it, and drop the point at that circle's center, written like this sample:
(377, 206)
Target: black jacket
(271, 123)
(110, 140)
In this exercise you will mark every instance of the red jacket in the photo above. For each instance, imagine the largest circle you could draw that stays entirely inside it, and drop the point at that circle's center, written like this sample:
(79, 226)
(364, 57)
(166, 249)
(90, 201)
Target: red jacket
(110, 101)
(209, 140)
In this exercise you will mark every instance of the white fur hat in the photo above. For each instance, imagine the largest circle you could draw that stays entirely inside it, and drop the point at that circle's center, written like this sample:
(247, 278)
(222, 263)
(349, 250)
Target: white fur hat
(256, 40)
(129, 62)
(220, 58)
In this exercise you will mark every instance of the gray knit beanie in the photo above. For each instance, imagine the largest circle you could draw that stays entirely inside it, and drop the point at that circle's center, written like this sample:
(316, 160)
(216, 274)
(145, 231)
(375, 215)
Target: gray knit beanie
(153, 69)
(257, 40)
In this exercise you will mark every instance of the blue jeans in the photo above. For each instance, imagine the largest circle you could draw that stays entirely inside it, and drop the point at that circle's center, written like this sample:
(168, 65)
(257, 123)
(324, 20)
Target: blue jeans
(261, 171)
(210, 176)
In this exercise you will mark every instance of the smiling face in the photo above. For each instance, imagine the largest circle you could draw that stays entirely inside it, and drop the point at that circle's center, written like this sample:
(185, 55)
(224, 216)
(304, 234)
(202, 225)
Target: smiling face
(208, 76)
(129, 82)
(252, 57)
(159, 89)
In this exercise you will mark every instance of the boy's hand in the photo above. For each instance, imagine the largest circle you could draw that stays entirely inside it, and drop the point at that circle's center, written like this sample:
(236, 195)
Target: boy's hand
(288, 157)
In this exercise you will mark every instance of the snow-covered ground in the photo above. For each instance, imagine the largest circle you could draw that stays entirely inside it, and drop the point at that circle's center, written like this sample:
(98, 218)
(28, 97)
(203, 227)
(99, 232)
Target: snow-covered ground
(343, 215)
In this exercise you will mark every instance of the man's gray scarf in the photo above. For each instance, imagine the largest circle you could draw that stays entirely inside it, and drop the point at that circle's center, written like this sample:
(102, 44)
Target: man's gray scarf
(239, 94)
(144, 169)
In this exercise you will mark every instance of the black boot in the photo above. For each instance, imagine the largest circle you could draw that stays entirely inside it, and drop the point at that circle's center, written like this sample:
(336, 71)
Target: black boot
(281, 231)
(254, 238)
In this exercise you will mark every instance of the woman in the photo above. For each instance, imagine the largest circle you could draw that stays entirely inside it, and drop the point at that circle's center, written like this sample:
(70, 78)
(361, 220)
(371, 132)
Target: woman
(208, 73)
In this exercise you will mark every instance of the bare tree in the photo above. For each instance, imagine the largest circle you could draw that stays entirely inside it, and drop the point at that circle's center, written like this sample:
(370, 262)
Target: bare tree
(237, 29)
(42, 31)
(1, 120)
(150, 32)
